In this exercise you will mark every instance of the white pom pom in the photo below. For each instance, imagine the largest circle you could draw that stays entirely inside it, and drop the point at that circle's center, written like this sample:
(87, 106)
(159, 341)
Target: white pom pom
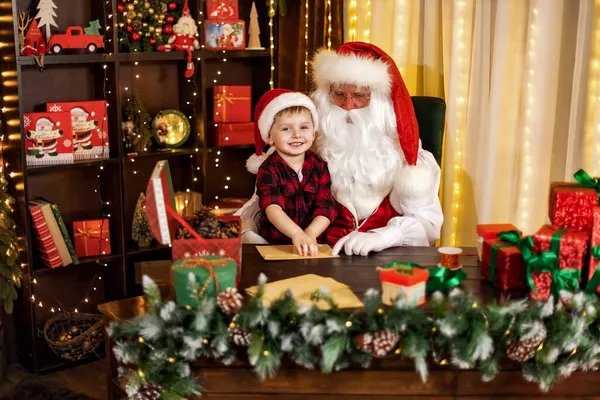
(254, 162)
(413, 182)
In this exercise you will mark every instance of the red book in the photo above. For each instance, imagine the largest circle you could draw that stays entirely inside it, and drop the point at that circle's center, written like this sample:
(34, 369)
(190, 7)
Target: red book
(48, 252)
(89, 125)
(48, 138)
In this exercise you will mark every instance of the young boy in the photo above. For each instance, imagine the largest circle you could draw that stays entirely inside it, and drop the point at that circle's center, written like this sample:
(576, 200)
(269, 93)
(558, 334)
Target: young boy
(293, 183)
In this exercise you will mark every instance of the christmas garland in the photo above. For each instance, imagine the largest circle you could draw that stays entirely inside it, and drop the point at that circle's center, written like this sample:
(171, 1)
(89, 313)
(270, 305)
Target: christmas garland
(549, 340)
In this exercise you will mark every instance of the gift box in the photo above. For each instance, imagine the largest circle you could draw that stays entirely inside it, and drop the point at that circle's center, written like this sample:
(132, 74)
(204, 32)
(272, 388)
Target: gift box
(593, 285)
(490, 231)
(48, 138)
(401, 280)
(571, 204)
(566, 250)
(213, 275)
(222, 9)
(229, 35)
(89, 125)
(92, 237)
(232, 104)
(502, 263)
(163, 220)
(234, 134)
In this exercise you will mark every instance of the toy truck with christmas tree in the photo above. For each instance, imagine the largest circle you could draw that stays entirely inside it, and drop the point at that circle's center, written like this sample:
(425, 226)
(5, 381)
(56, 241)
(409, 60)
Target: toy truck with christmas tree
(74, 38)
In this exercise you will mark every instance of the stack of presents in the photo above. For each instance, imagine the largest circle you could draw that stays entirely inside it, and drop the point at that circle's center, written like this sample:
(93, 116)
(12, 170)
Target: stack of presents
(232, 116)
(561, 256)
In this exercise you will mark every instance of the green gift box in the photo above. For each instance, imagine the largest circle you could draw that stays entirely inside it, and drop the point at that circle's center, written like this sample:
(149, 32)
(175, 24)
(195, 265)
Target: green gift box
(213, 275)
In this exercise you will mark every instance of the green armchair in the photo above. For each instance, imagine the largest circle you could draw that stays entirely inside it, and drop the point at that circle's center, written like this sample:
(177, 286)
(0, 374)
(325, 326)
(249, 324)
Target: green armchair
(431, 114)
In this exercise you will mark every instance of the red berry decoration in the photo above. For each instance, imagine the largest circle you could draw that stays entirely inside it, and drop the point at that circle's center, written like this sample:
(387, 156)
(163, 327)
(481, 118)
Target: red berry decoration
(120, 7)
(173, 6)
(170, 19)
(152, 41)
(129, 28)
(168, 29)
(135, 36)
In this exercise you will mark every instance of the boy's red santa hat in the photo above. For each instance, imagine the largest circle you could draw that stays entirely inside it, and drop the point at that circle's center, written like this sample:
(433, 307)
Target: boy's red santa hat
(272, 102)
(364, 64)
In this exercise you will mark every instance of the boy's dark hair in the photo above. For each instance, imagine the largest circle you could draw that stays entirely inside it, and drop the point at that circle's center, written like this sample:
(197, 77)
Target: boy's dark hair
(37, 389)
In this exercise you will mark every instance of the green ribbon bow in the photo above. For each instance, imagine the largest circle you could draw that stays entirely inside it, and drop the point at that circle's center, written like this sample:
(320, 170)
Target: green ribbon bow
(508, 238)
(547, 261)
(587, 181)
(595, 281)
(439, 278)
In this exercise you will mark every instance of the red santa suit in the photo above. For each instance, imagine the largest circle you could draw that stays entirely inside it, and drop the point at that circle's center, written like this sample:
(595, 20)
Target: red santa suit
(391, 200)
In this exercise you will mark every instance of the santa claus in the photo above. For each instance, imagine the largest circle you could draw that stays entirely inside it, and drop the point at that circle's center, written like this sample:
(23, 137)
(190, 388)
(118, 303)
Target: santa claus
(44, 138)
(82, 128)
(385, 184)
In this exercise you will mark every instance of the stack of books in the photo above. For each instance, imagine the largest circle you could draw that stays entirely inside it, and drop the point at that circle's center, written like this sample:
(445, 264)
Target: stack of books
(55, 244)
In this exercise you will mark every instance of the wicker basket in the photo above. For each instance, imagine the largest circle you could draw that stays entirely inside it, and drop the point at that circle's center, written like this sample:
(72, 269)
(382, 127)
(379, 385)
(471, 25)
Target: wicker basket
(74, 336)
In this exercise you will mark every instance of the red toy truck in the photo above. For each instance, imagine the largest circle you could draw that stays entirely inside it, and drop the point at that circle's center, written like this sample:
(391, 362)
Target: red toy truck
(74, 38)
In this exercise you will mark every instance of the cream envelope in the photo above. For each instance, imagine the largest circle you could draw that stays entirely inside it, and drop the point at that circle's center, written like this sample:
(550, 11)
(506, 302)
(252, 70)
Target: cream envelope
(288, 252)
(303, 287)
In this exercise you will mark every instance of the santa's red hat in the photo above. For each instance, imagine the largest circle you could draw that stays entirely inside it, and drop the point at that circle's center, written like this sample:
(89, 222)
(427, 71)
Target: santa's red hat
(272, 102)
(364, 64)
(185, 12)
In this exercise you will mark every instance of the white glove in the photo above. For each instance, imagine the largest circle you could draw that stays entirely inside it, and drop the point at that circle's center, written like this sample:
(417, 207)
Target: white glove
(359, 243)
(252, 237)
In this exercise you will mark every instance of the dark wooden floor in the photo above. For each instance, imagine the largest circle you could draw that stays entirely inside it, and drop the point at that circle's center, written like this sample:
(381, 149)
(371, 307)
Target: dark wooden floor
(88, 379)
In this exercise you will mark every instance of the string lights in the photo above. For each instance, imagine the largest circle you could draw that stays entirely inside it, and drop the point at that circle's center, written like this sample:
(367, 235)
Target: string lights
(353, 19)
(328, 24)
(528, 122)
(367, 31)
(306, 40)
(271, 43)
(592, 127)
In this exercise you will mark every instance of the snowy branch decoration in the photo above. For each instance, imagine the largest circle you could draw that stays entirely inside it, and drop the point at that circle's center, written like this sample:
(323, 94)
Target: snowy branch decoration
(549, 342)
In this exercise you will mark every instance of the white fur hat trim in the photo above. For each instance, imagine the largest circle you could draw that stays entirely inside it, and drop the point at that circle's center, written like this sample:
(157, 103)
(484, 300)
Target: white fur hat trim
(281, 102)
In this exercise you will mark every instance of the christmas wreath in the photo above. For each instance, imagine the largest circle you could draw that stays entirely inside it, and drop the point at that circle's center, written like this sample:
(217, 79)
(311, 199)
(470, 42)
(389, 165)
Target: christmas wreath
(550, 340)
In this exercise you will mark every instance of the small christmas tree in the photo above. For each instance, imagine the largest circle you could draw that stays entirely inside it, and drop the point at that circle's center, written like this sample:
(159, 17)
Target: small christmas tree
(254, 31)
(46, 15)
(10, 270)
(136, 113)
(140, 231)
(94, 28)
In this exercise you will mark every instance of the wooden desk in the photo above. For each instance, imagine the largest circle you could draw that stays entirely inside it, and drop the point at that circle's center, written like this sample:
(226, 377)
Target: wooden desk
(386, 379)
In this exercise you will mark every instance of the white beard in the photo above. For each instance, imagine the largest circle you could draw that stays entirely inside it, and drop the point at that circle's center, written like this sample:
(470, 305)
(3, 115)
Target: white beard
(362, 151)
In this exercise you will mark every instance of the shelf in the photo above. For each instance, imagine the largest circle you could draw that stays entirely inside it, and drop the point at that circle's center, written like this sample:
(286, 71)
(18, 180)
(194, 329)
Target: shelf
(147, 250)
(217, 54)
(68, 59)
(83, 262)
(68, 167)
(236, 147)
(162, 153)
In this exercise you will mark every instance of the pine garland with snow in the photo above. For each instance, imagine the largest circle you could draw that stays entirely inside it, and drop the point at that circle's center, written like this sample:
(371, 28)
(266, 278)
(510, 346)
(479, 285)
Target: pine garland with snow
(456, 330)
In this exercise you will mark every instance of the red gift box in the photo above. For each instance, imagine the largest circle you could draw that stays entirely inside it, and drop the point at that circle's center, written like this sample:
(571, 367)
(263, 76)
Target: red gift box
(92, 237)
(572, 247)
(89, 125)
(163, 221)
(232, 104)
(491, 231)
(234, 134)
(48, 138)
(594, 264)
(222, 9)
(226, 35)
(503, 265)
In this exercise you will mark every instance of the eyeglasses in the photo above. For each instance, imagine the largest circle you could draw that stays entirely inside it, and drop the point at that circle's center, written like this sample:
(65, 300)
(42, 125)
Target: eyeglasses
(360, 98)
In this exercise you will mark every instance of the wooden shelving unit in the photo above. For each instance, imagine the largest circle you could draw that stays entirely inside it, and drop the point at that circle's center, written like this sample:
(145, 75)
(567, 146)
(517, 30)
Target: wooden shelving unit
(119, 179)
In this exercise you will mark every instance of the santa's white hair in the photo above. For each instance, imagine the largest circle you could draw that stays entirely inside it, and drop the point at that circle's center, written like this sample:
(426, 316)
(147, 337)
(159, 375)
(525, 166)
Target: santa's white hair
(360, 146)
(185, 26)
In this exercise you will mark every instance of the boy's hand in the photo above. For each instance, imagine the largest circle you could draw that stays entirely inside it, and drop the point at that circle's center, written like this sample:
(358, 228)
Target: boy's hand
(305, 244)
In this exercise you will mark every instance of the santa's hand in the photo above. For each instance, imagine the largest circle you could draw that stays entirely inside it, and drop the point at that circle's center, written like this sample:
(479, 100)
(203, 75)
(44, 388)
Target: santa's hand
(359, 243)
(252, 237)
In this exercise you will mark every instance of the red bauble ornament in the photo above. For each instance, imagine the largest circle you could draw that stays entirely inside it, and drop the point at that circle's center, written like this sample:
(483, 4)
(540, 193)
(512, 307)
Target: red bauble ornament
(152, 41)
(173, 6)
(135, 36)
(120, 7)
(168, 29)
(129, 28)
(170, 19)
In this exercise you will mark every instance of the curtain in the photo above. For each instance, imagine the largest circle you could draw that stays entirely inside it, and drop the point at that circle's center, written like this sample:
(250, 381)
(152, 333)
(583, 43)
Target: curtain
(296, 43)
(520, 80)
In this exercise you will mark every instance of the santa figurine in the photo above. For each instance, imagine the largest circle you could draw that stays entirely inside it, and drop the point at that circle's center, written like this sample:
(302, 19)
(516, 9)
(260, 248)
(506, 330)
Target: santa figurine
(184, 38)
(82, 128)
(44, 138)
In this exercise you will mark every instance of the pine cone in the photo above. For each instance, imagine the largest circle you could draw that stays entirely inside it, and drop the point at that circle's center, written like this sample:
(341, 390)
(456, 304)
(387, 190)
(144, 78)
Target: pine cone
(238, 337)
(204, 213)
(525, 349)
(148, 391)
(378, 344)
(209, 229)
(230, 301)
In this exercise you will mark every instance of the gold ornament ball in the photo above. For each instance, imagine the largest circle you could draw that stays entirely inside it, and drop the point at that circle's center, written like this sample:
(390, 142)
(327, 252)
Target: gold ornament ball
(141, 339)
(130, 7)
(147, 34)
(145, 24)
(140, 15)
(159, 30)
(147, 4)
(151, 28)
(151, 11)
(136, 2)
(131, 14)
(162, 16)
(129, 20)
(232, 325)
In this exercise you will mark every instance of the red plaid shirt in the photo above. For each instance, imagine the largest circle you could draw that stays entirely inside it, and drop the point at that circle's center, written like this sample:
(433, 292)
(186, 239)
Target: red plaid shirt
(277, 183)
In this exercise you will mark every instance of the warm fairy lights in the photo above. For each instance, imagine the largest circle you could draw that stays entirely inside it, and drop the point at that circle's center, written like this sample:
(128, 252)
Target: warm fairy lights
(352, 18)
(306, 38)
(367, 31)
(528, 123)
(399, 52)
(592, 126)
(272, 43)
(328, 24)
